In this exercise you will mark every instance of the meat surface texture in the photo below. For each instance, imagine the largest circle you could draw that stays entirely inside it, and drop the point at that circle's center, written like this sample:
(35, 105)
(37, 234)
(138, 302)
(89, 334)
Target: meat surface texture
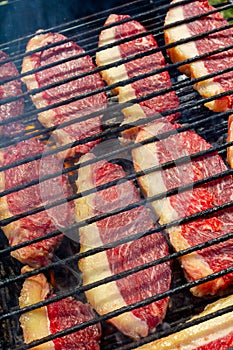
(214, 193)
(230, 139)
(9, 89)
(78, 130)
(30, 198)
(132, 69)
(213, 63)
(216, 333)
(55, 317)
(135, 287)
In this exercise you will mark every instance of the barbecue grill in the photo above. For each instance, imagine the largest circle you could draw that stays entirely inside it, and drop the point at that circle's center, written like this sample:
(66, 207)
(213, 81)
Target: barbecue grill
(83, 26)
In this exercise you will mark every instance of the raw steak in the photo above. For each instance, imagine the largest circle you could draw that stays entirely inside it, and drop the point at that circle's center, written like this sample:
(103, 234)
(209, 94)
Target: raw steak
(56, 317)
(146, 64)
(67, 112)
(230, 139)
(133, 288)
(216, 333)
(10, 89)
(46, 192)
(209, 260)
(202, 67)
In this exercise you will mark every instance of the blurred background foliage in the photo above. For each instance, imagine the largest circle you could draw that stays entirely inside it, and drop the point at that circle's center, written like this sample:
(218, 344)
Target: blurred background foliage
(227, 13)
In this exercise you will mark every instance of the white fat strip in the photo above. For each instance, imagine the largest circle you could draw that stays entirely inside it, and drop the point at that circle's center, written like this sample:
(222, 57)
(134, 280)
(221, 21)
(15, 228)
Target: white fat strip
(111, 55)
(117, 74)
(35, 324)
(181, 31)
(189, 50)
(201, 334)
(107, 297)
(144, 158)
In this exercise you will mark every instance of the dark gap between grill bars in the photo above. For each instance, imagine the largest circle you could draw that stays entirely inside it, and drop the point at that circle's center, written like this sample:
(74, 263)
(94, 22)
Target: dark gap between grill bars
(175, 87)
(196, 124)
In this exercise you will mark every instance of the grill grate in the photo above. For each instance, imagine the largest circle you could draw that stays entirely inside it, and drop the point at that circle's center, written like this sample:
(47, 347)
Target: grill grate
(211, 126)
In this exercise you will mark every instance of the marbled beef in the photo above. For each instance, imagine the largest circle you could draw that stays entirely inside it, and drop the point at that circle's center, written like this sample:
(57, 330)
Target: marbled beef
(216, 333)
(10, 89)
(230, 139)
(71, 111)
(146, 64)
(55, 317)
(30, 198)
(133, 288)
(211, 64)
(209, 260)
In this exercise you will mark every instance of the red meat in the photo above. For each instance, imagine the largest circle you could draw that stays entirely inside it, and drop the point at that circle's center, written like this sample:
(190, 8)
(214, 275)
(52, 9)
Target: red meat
(10, 89)
(214, 63)
(133, 288)
(209, 260)
(146, 64)
(68, 313)
(230, 139)
(30, 198)
(215, 334)
(56, 317)
(71, 111)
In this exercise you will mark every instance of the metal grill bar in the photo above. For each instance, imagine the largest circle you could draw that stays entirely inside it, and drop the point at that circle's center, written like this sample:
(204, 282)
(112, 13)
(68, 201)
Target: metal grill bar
(100, 49)
(180, 327)
(173, 223)
(123, 309)
(115, 131)
(131, 346)
(80, 22)
(165, 333)
(123, 61)
(175, 87)
(5, 222)
(135, 175)
(163, 166)
(154, 32)
(79, 27)
(79, 256)
(130, 147)
(131, 307)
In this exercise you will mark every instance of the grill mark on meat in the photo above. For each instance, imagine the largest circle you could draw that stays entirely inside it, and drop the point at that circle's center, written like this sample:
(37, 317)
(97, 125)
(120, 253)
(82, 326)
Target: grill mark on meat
(55, 317)
(41, 223)
(114, 295)
(212, 334)
(68, 112)
(201, 263)
(10, 89)
(214, 63)
(133, 68)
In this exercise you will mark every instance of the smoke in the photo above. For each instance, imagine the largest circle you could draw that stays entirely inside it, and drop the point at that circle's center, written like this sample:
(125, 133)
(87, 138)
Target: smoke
(23, 17)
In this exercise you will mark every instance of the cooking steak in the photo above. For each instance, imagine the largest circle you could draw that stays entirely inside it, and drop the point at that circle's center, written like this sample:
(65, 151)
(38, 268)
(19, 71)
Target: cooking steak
(10, 89)
(214, 193)
(133, 288)
(32, 197)
(132, 69)
(55, 317)
(79, 130)
(215, 333)
(211, 64)
(230, 139)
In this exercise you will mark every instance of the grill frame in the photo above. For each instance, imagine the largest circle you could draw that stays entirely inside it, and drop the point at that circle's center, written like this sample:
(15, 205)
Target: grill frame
(7, 316)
